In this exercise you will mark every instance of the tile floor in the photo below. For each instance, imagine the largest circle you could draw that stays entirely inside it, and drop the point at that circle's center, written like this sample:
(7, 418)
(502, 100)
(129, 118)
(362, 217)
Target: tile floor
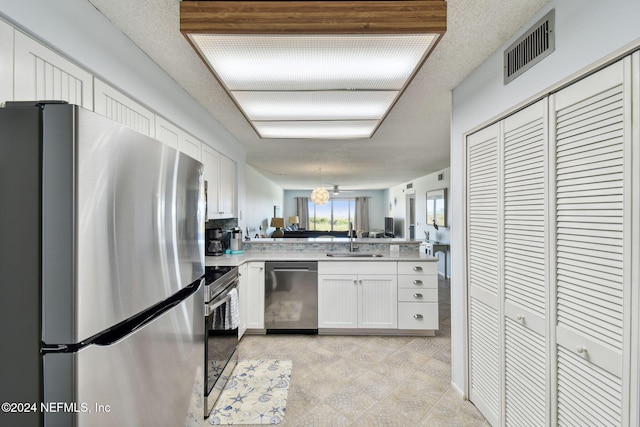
(369, 381)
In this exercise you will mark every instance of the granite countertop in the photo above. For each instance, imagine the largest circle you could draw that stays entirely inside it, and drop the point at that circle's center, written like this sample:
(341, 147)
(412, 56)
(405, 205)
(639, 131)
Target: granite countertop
(234, 260)
(310, 240)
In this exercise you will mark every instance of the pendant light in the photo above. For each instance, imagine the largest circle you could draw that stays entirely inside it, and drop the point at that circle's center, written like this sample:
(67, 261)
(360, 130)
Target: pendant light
(320, 195)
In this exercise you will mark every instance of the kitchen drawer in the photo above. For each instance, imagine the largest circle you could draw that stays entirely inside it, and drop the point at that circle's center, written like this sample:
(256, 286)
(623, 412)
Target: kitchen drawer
(415, 281)
(418, 267)
(357, 267)
(420, 295)
(417, 315)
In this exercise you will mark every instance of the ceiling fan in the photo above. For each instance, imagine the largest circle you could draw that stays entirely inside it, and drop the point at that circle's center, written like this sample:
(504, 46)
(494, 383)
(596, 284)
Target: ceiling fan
(337, 190)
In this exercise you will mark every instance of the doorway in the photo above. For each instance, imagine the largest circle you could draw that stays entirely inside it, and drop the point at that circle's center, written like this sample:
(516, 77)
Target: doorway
(411, 216)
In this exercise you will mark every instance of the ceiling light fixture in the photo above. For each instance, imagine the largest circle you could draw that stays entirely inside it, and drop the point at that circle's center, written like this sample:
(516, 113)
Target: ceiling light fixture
(319, 195)
(314, 69)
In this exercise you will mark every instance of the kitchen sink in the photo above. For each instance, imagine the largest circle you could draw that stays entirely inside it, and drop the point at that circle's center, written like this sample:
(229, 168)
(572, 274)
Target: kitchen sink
(354, 255)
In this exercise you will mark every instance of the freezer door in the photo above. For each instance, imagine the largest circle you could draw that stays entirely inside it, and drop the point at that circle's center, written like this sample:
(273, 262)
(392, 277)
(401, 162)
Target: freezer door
(123, 223)
(153, 377)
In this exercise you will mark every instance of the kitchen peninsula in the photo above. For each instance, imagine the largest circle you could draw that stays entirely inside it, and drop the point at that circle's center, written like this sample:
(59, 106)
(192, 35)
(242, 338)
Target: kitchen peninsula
(383, 287)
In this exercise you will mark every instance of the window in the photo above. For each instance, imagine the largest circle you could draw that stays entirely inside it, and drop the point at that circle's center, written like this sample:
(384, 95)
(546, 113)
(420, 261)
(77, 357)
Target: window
(335, 215)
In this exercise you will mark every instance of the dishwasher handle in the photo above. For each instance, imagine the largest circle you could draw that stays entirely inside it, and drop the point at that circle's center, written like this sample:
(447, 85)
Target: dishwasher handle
(291, 266)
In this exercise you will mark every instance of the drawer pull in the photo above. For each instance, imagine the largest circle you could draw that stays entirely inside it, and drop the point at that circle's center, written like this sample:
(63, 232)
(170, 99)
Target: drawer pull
(581, 349)
(521, 318)
(417, 268)
(417, 282)
(417, 296)
(417, 316)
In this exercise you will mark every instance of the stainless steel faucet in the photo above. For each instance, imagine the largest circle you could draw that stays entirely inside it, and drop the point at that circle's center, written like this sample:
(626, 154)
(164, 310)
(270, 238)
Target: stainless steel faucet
(350, 236)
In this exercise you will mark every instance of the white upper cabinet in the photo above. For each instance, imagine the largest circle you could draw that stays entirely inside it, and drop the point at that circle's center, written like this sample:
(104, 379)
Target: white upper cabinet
(177, 138)
(6, 62)
(220, 174)
(190, 146)
(227, 186)
(42, 74)
(118, 107)
(167, 132)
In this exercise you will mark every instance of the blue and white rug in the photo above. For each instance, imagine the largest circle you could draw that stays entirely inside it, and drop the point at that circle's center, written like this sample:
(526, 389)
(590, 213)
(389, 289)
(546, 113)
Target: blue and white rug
(256, 393)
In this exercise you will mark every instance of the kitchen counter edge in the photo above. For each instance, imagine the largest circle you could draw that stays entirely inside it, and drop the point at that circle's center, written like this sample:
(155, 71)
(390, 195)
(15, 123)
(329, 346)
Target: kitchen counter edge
(259, 256)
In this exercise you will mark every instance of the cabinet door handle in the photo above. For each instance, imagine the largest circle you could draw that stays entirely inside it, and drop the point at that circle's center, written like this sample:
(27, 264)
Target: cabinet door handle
(520, 317)
(581, 349)
(417, 295)
(417, 282)
(417, 268)
(355, 281)
(417, 316)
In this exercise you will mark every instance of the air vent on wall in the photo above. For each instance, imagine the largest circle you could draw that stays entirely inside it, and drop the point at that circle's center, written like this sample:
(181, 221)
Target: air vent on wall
(534, 45)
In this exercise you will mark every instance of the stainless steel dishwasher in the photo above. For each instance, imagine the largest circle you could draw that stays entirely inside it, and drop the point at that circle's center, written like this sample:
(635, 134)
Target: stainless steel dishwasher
(291, 297)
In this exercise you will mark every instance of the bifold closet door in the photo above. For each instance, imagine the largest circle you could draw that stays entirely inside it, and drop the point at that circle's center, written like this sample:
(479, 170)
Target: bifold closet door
(592, 130)
(483, 278)
(525, 277)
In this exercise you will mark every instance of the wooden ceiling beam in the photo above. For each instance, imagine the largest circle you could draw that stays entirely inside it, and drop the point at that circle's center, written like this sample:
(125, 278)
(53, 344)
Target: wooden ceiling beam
(313, 17)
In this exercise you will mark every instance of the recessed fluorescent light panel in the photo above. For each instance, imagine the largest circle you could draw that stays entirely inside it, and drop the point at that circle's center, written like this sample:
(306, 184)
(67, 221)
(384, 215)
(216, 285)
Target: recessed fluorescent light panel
(314, 69)
(328, 79)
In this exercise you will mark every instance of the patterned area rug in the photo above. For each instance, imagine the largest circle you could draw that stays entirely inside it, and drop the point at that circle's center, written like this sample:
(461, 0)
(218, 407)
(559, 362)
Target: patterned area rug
(256, 393)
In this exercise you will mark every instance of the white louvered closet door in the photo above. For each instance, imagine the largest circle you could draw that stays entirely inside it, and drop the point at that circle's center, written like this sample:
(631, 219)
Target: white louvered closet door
(525, 266)
(483, 278)
(592, 134)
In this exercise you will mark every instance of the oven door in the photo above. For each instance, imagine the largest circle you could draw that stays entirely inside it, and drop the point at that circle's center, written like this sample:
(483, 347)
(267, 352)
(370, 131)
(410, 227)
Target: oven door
(220, 344)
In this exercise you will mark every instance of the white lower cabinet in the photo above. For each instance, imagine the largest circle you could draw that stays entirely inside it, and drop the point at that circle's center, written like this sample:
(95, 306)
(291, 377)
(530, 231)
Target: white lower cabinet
(357, 295)
(417, 295)
(243, 296)
(252, 285)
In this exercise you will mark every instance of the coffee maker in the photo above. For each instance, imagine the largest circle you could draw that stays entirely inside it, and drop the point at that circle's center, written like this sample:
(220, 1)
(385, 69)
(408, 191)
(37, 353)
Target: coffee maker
(214, 241)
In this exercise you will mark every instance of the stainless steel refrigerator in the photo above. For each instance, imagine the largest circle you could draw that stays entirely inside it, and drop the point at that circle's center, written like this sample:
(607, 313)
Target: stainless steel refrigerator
(101, 255)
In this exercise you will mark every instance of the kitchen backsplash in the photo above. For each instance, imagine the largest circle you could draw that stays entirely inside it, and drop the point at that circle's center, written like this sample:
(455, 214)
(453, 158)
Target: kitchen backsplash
(258, 245)
(226, 223)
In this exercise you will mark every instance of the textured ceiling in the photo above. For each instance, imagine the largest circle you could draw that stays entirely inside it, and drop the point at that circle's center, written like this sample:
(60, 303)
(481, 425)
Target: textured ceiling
(414, 139)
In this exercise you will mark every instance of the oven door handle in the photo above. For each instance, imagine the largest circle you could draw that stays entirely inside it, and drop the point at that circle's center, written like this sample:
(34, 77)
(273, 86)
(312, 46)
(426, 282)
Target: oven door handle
(217, 303)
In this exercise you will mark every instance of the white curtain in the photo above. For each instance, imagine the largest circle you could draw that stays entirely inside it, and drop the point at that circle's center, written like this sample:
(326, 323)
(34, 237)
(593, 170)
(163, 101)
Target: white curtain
(302, 210)
(362, 214)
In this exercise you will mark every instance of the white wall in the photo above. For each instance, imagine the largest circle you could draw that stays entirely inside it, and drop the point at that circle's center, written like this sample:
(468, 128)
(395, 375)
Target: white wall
(420, 187)
(262, 196)
(80, 32)
(586, 32)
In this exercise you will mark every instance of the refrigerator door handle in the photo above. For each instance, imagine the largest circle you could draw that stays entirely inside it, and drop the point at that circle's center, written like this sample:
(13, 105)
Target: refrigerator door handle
(121, 330)
(129, 326)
